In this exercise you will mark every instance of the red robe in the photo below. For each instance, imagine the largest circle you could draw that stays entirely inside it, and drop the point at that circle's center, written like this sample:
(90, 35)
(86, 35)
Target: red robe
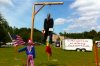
(48, 50)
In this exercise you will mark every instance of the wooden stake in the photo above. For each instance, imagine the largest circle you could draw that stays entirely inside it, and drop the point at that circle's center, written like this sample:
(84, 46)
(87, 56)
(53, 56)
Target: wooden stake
(96, 54)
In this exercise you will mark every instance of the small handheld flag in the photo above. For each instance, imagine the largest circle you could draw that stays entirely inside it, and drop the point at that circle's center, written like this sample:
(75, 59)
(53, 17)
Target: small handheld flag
(17, 40)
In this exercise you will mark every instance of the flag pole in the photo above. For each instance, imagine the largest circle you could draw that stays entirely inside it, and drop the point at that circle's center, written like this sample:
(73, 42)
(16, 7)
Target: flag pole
(10, 36)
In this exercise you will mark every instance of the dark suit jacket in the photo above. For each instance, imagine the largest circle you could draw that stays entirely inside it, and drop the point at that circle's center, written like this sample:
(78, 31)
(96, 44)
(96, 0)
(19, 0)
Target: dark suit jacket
(48, 24)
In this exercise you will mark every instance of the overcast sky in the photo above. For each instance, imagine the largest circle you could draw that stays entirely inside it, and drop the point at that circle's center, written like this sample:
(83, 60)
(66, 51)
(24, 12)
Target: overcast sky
(73, 16)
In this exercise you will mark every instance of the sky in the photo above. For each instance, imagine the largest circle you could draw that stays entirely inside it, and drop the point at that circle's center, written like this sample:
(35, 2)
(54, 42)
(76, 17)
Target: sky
(74, 16)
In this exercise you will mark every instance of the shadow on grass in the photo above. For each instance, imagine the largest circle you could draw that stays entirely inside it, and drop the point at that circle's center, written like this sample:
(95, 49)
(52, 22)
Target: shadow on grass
(51, 64)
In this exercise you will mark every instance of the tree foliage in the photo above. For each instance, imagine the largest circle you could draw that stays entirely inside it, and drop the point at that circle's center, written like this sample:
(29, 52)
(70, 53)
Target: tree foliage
(3, 30)
(84, 35)
(25, 34)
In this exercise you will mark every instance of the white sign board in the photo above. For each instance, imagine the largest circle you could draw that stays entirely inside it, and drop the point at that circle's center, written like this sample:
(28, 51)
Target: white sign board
(74, 44)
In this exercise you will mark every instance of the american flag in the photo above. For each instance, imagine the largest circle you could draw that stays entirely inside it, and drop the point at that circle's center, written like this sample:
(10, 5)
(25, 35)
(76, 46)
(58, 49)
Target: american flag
(17, 40)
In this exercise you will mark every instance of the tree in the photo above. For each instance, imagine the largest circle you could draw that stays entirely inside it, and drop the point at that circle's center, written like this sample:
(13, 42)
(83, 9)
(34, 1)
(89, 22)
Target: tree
(61, 34)
(3, 30)
(85, 34)
(92, 34)
(98, 34)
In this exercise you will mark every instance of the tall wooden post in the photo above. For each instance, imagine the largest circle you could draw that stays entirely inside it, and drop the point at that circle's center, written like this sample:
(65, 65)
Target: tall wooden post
(96, 54)
(33, 17)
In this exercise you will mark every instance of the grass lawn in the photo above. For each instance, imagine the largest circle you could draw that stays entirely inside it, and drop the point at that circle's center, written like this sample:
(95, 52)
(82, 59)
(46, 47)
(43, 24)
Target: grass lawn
(9, 57)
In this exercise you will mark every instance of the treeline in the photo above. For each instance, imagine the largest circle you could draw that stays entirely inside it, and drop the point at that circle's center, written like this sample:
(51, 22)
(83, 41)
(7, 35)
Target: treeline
(84, 35)
(23, 32)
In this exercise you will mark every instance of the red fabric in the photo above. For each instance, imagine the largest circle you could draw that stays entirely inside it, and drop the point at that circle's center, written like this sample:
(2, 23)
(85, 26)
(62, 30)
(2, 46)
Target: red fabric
(48, 50)
(17, 40)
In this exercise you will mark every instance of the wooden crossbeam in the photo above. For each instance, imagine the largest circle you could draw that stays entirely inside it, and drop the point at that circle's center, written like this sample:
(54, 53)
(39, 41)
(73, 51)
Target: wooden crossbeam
(48, 3)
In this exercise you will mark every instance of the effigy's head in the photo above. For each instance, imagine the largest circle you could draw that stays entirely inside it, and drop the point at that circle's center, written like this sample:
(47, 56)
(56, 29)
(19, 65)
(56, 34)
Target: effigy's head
(48, 16)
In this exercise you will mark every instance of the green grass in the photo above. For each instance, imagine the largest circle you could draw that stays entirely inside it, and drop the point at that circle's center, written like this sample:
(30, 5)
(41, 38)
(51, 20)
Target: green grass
(9, 57)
